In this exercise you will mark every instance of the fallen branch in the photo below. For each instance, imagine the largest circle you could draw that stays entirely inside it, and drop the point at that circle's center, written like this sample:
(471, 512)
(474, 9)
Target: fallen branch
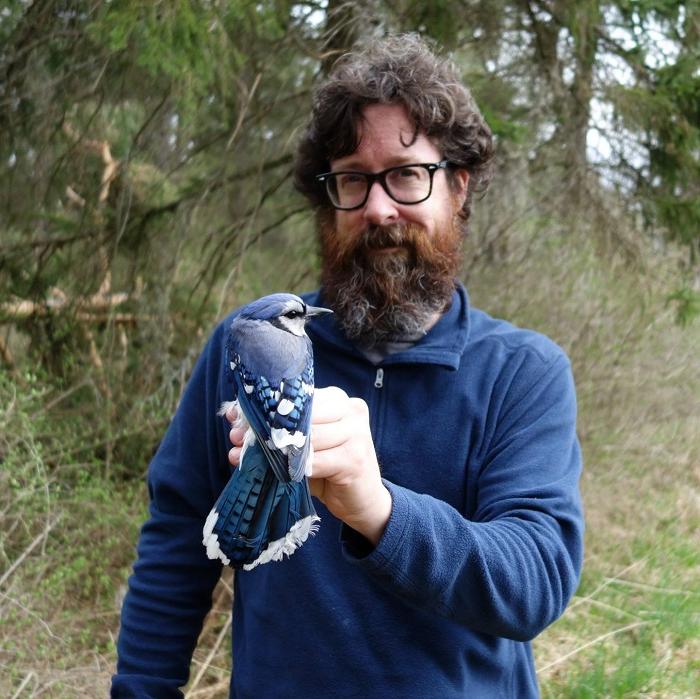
(32, 614)
(222, 601)
(211, 691)
(58, 302)
(29, 676)
(117, 318)
(39, 539)
(215, 648)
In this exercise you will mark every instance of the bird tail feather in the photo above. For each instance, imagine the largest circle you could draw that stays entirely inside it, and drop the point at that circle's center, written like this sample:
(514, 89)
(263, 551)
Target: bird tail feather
(257, 518)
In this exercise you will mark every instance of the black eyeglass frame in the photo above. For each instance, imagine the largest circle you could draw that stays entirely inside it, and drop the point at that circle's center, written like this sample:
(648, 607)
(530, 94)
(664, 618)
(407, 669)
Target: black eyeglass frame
(380, 177)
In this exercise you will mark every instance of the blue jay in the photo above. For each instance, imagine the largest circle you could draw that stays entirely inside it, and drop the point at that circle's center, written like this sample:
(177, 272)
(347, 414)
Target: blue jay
(265, 511)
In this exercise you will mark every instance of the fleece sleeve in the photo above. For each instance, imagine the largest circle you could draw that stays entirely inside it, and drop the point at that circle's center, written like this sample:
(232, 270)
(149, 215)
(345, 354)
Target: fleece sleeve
(511, 568)
(171, 586)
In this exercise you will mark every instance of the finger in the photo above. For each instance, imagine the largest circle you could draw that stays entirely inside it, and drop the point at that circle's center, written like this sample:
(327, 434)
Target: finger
(234, 456)
(325, 465)
(353, 426)
(229, 411)
(331, 434)
(236, 435)
(334, 465)
(330, 404)
(358, 407)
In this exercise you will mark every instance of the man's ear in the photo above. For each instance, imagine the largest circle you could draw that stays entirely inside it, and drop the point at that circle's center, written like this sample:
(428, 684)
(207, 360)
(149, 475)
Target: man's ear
(460, 185)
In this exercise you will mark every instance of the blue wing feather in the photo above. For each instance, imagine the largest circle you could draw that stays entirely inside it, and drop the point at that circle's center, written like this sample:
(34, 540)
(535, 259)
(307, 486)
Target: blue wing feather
(298, 392)
(254, 410)
(260, 399)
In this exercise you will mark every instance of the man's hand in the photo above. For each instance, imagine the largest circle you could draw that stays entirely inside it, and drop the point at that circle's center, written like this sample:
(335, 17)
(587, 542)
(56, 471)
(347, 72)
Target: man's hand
(345, 474)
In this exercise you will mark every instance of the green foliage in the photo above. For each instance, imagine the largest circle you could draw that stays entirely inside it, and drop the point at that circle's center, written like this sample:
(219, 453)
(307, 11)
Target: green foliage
(167, 38)
(662, 108)
(504, 128)
(642, 12)
(435, 19)
(687, 302)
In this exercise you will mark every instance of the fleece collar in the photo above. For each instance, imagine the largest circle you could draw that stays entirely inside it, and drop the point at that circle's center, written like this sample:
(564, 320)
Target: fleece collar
(444, 344)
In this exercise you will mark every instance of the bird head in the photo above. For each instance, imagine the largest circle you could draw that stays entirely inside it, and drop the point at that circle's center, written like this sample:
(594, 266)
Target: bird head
(284, 311)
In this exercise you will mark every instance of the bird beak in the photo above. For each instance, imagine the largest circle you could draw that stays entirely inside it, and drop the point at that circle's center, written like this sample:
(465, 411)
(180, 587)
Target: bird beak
(312, 311)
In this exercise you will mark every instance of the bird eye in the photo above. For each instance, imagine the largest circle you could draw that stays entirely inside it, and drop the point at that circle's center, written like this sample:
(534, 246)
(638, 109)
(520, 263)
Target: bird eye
(292, 314)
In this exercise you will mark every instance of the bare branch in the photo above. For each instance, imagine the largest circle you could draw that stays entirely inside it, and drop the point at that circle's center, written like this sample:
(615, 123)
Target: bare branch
(59, 302)
(37, 540)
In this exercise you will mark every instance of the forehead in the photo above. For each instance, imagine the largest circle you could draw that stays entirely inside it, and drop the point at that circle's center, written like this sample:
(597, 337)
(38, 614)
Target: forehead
(387, 137)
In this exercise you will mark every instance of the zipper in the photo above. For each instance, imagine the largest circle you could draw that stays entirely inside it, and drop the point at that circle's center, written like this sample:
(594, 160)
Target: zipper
(379, 378)
(376, 400)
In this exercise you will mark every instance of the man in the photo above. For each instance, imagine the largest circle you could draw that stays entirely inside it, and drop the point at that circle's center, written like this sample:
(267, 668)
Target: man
(446, 456)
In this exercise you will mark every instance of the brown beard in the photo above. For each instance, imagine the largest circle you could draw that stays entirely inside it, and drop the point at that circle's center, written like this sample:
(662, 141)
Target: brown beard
(388, 296)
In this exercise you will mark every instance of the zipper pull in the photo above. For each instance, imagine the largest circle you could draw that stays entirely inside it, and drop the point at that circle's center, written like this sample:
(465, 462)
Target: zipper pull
(379, 378)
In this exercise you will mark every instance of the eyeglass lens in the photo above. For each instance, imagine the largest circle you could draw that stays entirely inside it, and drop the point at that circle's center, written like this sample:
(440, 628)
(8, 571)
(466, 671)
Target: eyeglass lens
(406, 184)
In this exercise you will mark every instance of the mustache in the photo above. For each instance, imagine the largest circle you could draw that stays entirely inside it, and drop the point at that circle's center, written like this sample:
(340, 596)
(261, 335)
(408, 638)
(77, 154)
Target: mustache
(341, 253)
(378, 237)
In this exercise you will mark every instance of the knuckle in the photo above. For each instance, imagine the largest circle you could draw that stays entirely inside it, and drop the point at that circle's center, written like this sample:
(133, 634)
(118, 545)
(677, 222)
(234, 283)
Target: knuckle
(359, 407)
(331, 393)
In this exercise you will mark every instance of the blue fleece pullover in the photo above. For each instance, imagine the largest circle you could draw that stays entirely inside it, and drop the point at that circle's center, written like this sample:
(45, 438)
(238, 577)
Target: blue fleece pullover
(474, 428)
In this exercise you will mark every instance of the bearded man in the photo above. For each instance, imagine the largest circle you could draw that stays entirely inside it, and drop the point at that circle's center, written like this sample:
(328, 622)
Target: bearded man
(446, 461)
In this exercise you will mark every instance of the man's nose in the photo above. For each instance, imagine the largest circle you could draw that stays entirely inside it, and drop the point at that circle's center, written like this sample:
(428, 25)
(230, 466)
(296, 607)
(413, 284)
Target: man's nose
(380, 209)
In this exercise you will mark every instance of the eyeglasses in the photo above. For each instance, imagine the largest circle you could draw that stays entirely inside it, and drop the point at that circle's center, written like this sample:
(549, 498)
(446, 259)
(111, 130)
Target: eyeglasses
(405, 184)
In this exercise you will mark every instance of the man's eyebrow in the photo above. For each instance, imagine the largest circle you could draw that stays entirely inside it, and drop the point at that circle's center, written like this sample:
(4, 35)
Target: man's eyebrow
(398, 161)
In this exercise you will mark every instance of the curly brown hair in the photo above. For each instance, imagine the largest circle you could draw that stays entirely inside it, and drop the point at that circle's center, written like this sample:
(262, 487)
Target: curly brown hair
(400, 69)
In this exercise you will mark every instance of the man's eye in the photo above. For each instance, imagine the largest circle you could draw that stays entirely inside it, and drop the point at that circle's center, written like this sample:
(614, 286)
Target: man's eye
(407, 173)
(350, 179)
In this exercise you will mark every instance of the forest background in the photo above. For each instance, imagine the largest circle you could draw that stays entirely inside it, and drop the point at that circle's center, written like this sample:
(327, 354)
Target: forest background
(145, 190)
